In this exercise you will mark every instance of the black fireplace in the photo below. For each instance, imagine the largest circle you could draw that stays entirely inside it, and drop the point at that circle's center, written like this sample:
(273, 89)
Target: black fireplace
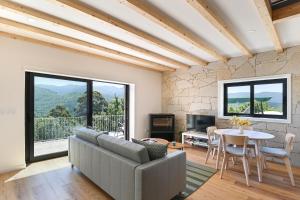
(162, 126)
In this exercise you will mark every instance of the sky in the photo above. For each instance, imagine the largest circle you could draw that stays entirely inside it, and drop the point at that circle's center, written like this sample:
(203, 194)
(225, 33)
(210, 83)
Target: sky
(56, 82)
(268, 88)
(238, 89)
(257, 88)
(60, 82)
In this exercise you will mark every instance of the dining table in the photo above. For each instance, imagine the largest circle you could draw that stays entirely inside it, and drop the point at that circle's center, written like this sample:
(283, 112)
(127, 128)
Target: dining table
(256, 136)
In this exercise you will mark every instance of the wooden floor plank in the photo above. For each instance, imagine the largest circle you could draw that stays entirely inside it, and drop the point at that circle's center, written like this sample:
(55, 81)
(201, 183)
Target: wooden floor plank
(55, 179)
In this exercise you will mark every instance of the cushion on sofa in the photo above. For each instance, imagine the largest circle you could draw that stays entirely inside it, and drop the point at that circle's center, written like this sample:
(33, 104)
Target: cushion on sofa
(155, 151)
(87, 134)
(127, 149)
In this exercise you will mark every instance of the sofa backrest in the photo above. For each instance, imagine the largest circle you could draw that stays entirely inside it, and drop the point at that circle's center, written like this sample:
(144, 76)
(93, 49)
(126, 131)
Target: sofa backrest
(87, 134)
(127, 149)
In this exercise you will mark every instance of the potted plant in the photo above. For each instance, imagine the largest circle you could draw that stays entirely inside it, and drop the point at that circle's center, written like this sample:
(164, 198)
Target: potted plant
(240, 123)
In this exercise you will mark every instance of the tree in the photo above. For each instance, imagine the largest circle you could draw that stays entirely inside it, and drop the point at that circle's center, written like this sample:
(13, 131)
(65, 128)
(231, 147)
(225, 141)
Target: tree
(116, 106)
(59, 111)
(81, 106)
(261, 105)
(99, 104)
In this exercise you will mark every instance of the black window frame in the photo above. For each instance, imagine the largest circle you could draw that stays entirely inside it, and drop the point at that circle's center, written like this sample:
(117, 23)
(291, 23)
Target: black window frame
(283, 81)
(29, 112)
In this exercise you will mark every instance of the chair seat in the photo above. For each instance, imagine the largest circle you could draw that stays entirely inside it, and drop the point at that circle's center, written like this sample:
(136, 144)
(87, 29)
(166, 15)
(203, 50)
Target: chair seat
(278, 152)
(215, 142)
(237, 151)
(251, 143)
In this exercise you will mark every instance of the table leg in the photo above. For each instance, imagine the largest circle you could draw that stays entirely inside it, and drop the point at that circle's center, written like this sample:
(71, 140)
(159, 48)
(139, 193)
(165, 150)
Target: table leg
(218, 154)
(258, 160)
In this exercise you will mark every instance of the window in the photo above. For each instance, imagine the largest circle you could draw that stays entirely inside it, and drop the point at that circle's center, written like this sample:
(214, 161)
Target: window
(55, 105)
(109, 107)
(238, 99)
(259, 98)
(269, 99)
(56, 113)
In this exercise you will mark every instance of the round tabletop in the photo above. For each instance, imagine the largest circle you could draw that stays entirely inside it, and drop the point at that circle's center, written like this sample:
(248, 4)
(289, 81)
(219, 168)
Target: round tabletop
(156, 140)
(254, 135)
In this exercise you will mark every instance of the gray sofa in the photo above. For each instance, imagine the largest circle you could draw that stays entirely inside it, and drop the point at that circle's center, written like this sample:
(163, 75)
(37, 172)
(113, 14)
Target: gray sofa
(123, 169)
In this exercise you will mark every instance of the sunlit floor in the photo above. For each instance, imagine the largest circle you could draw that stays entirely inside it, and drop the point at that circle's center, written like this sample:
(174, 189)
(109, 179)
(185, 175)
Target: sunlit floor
(55, 179)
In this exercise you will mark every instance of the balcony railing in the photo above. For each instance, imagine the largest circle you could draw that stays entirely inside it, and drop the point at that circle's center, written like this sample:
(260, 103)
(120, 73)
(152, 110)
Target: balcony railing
(61, 127)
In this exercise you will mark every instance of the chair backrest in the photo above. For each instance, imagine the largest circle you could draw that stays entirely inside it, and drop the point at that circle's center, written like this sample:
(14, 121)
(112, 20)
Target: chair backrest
(235, 140)
(211, 132)
(289, 142)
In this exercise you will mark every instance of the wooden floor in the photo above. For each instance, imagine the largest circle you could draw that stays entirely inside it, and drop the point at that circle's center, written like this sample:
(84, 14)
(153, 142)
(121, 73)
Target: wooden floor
(55, 180)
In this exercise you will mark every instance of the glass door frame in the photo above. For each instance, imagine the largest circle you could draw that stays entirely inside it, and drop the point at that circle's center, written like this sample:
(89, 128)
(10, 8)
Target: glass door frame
(29, 112)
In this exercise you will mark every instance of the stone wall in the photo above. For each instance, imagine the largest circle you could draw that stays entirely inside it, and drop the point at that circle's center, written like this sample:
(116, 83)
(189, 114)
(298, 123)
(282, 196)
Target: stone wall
(196, 91)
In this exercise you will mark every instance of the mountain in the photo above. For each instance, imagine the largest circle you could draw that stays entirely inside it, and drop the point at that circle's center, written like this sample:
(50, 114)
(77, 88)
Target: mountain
(276, 97)
(109, 92)
(45, 100)
(239, 95)
(47, 97)
(63, 89)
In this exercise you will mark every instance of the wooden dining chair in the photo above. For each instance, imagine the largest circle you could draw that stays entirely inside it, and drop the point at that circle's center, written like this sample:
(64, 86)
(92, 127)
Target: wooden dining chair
(212, 142)
(281, 153)
(251, 143)
(236, 146)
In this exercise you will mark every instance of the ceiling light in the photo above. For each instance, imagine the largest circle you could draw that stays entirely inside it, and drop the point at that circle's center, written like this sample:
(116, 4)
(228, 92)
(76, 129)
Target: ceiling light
(251, 31)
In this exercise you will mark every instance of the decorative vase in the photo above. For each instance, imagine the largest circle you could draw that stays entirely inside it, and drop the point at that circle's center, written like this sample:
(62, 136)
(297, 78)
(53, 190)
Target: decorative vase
(241, 130)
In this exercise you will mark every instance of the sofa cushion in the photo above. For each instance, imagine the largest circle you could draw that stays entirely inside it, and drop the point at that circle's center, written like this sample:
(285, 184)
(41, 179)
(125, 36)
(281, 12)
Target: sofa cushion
(155, 151)
(127, 149)
(87, 134)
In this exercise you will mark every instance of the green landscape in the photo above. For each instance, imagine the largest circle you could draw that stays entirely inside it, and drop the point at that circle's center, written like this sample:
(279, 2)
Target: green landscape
(58, 109)
(264, 103)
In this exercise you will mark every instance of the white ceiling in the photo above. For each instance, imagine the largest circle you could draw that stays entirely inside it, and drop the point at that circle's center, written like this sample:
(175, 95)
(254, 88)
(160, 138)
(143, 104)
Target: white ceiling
(241, 16)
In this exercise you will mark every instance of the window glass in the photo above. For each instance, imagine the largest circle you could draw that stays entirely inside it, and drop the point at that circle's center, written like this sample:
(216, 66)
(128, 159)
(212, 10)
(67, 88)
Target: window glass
(238, 99)
(268, 99)
(59, 106)
(109, 108)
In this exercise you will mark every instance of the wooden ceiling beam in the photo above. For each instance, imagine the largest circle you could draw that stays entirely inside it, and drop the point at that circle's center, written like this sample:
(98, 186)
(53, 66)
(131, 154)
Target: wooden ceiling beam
(113, 53)
(265, 13)
(58, 21)
(99, 15)
(73, 50)
(173, 26)
(202, 8)
(285, 13)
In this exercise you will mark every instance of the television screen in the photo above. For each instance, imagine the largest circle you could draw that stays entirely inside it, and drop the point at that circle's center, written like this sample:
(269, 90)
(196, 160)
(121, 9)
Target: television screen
(199, 123)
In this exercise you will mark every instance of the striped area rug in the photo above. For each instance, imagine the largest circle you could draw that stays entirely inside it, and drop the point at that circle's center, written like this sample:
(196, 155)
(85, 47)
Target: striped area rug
(196, 176)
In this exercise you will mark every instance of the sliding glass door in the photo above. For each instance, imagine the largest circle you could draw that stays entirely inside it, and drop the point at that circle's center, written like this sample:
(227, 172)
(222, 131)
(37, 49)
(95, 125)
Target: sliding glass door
(109, 108)
(55, 105)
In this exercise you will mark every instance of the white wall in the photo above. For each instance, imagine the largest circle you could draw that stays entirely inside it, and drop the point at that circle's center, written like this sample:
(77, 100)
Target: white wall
(17, 56)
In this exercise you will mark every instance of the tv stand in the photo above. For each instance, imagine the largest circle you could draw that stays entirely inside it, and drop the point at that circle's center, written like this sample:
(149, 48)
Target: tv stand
(195, 135)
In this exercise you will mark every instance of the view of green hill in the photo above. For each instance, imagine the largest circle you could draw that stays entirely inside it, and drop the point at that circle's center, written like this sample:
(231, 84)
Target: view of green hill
(48, 97)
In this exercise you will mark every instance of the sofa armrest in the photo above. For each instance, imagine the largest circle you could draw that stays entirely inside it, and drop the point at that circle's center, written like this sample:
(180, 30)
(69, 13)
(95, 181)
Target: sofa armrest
(161, 179)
